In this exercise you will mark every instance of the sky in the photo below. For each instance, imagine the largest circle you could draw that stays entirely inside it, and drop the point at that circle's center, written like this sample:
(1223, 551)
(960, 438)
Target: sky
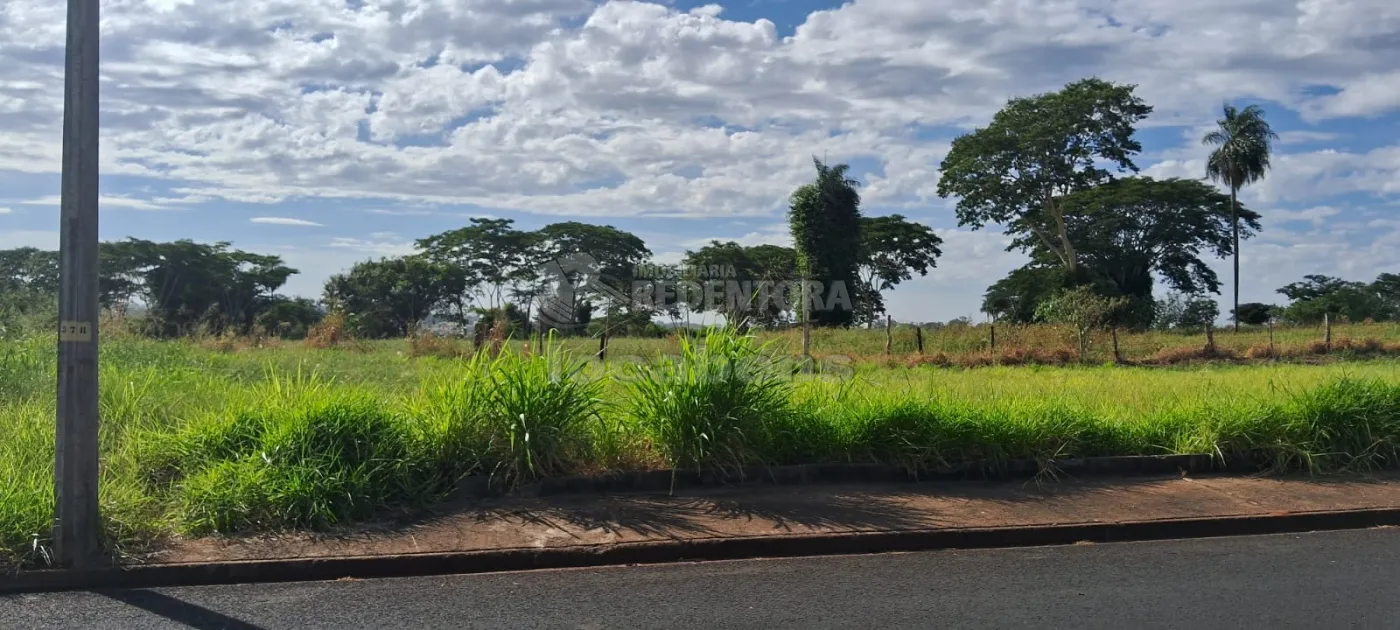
(333, 131)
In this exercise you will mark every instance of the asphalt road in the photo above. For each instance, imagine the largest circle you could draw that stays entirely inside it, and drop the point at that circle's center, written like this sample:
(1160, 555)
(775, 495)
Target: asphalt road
(1320, 580)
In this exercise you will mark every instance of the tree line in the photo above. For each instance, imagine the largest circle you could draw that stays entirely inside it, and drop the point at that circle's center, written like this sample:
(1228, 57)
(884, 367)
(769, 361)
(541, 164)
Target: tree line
(1056, 170)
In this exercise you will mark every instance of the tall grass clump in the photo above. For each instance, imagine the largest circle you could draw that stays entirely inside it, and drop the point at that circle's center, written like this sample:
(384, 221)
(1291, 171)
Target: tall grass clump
(514, 416)
(921, 434)
(26, 482)
(295, 454)
(1348, 424)
(719, 404)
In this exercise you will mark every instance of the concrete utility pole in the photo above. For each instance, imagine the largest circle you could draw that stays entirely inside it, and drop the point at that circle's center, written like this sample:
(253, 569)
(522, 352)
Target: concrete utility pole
(76, 522)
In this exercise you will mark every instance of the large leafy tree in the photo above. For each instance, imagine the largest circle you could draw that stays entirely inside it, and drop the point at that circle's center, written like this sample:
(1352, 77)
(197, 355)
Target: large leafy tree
(1243, 144)
(390, 296)
(28, 269)
(187, 285)
(892, 250)
(824, 216)
(1038, 150)
(1127, 231)
(753, 283)
(1016, 297)
(1318, 295)
(611, 255)
(289, 318)
(490, 252)
(1135, 227)
(1255, 313)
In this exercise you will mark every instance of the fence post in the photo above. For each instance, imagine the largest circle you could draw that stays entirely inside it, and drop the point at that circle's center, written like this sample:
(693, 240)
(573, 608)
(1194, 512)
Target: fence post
(1272, 354)
(1327, 322)
(919, 338)
(1210, 339)
(889, 335)
(994, 338)
(806, 327)
(1117, 356)
(603, 345)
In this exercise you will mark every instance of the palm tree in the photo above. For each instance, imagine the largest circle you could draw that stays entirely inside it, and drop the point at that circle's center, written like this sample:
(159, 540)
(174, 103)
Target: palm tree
(1243, 142)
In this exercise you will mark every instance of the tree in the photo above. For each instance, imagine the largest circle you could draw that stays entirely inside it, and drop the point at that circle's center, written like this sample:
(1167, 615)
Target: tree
(517, 321)
(1133, 228)
(490, 253)
(754, 294)
(1319, 295)
(1036, 151)
(289, 318)
(28, 290)
(1254, 313)
(1129, 230)
(612, 256)
(1186, 312)
(188, 285)
(1014, 299)
(1243, 143)
(1387, 288)
(892, 249)
(390, 296)
(28, 269)
(1081, 309)
(826, 231)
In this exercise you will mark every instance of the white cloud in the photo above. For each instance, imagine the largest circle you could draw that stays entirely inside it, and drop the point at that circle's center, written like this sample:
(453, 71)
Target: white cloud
(618, 108)
(103, 201)
(1305, 137)
(402, 212)
(4, 210)
(380, 247)
(284, 221)
(1315, 215)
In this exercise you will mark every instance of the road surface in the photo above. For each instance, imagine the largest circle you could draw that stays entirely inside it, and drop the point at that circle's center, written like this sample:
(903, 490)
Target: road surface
(1320, 580)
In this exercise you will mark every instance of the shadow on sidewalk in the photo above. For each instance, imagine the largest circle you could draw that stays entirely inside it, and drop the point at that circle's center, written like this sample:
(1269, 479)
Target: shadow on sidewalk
(854, 507)
(688, 515)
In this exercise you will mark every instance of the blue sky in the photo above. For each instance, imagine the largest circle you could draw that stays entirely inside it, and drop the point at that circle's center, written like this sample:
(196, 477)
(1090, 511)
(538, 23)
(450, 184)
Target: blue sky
(329, 132)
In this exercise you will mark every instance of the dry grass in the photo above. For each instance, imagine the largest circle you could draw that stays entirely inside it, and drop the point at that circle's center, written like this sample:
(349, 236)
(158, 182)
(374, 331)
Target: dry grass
(424, 344)
(329, 332)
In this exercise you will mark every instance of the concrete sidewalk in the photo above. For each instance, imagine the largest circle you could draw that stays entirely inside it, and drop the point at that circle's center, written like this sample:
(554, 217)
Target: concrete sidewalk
(605, 521)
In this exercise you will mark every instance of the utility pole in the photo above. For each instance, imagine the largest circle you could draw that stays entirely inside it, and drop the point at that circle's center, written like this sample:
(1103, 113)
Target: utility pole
(76, 522)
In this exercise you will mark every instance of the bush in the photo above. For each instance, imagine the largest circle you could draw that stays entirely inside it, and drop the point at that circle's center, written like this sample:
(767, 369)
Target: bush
(289, 318)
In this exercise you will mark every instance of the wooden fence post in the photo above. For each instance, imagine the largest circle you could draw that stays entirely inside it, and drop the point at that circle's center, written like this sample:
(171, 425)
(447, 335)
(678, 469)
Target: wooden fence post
(603, 345)
(919, 339)
(1117, 356)
(1210, 339)
(994, 339)
(1327, 322)
(806, 327)
(1272, 352)
(889, 335)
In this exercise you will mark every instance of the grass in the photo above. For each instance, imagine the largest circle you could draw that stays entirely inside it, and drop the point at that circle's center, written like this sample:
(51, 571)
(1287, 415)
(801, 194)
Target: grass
(201, 440)
(971, 345)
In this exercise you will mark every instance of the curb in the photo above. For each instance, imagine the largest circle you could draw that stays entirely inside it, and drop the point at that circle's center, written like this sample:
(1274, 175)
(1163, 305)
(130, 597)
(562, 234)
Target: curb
(706, 549)
(666, 480)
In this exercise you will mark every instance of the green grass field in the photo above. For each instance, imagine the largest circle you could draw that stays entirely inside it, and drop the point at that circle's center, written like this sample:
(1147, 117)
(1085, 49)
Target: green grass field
(198, 441)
